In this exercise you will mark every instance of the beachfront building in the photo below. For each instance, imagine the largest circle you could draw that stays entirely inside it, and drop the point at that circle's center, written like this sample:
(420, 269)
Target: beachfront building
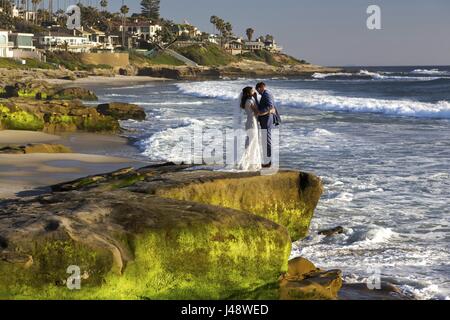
(22, 41)
(213, 38)
(23, 46)
(186, 30)
(142, 30)
(5, 45)
(234, 46)
(272, 46)
(97, 39)
(22, 13)
(254, 45)
(63, 40)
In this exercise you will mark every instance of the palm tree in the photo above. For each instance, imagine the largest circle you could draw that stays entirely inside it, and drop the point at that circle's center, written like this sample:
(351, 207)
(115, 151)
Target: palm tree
(35, 3)
(214, 20)
(228, 29)
(104, 4)
(250, 33)
(124, 11)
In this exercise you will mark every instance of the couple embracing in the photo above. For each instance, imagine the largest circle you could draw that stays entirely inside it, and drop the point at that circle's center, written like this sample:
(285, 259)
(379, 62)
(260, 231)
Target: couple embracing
(262, 117)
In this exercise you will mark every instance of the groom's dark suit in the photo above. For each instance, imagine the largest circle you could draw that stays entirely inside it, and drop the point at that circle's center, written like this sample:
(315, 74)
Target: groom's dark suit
(266, 103)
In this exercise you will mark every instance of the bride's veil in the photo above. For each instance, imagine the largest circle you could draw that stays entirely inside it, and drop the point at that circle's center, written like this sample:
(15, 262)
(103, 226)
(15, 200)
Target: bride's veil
(238, 128)
(237, 115)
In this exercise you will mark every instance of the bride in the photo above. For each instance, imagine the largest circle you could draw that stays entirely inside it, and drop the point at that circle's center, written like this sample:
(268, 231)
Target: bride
(252, 157)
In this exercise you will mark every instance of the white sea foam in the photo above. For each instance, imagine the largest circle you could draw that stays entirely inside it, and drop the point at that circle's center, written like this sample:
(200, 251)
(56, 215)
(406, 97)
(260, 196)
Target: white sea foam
(171, 103)
(325, 100)
(430, 72)
(174, 144)
(334, 74)
(384, 76)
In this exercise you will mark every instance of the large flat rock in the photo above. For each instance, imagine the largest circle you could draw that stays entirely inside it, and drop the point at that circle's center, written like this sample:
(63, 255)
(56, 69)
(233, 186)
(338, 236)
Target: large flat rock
(160, 232)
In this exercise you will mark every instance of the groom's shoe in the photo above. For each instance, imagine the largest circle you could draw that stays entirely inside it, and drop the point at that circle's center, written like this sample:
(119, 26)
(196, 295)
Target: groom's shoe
(266, 166)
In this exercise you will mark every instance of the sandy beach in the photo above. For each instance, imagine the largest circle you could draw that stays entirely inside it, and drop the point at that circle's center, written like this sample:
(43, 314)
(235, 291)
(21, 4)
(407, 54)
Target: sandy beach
(31, 174)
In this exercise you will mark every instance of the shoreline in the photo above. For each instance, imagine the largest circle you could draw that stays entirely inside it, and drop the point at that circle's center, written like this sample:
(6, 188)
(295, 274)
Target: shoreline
(32, 174)
(103, 80)
(60, 168)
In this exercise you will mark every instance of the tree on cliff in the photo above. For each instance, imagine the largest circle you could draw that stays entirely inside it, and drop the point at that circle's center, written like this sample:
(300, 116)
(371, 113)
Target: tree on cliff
(213, 21)
(104, 4)
(250, 33)
(124, 11)
(35, 3)
(150, 9)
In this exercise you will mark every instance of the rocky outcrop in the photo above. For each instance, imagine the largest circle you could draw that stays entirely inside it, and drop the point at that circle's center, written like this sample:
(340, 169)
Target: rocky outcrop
(35, 148)
(180, 73)
(53, 116)
(74, 93)
(27, 89)
(122, 111)
(307, 282)
(249, 69)
(331, 232)
(160, 232)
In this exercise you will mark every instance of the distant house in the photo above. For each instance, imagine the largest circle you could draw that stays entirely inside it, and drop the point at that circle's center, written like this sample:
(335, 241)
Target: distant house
(235, 46)
(5, 45)
(142, 30)
(23, 46)
(272, 46)
(22, 41)
(213, 38)
(186, 30)
(97, 39)
(22, 13)
(61, 39)
(254, 45)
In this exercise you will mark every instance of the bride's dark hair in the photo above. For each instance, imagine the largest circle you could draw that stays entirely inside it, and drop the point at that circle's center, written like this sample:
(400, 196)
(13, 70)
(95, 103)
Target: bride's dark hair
(246, 94)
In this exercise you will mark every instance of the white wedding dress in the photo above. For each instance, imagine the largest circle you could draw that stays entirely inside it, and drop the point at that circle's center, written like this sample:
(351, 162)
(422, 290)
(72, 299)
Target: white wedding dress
(251, 159)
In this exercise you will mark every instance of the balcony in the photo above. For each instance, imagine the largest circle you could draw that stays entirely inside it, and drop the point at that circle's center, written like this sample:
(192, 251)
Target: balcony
(7, 45)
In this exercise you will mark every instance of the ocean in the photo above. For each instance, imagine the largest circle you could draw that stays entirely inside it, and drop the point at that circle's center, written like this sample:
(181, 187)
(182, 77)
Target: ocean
(378, 137)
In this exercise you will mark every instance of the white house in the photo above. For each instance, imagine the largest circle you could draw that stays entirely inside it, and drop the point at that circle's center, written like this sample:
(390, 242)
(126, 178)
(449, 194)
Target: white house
(5, 45)
(22, 41)
(62, 41)
(142, 30)
(213, 38)
(272, 46)
(254, 45)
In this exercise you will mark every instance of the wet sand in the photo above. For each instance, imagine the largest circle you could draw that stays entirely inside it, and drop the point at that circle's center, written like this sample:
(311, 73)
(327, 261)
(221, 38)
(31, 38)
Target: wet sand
(31, 174)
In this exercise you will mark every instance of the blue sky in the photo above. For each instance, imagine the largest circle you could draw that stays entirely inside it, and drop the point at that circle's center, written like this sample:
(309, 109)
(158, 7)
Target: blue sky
(331, 32)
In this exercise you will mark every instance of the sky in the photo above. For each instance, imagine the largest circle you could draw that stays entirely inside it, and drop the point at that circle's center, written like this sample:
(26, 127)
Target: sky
(331, 32)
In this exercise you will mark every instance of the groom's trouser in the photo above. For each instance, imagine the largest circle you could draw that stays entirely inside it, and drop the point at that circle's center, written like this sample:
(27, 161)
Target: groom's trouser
(266, 123)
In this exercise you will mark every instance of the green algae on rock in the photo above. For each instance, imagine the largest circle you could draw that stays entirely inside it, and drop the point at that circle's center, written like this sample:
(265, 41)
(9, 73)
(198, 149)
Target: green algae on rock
(287, 198)
(53, 116)
(35, 148)
(132, 241)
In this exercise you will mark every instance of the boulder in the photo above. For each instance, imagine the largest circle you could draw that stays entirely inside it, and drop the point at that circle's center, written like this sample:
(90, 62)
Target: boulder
(27, 89)
(11, 92)
(53, 116)
(131, 238)
(35, 148)
(305, 281)
(332, 232)
(74, 93)
(122, 111)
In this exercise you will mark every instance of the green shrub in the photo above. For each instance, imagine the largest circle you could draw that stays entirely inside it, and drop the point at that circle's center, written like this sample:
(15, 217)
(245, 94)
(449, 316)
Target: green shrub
(30, 64)
(160, 59)
(208, 55)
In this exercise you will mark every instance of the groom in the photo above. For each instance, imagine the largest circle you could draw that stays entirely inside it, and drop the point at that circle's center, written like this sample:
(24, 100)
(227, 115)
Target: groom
(266, 120)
